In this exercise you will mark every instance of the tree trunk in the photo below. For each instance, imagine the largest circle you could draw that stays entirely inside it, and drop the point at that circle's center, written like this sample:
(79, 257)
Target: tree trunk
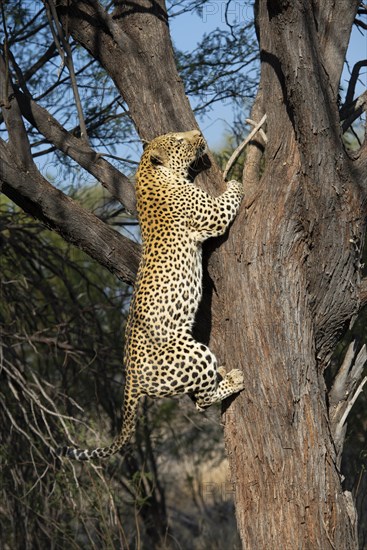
(285, 283)
(290, 286)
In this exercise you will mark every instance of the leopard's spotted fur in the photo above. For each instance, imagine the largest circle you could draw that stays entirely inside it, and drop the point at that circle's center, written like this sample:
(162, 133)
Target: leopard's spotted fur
(161, 357)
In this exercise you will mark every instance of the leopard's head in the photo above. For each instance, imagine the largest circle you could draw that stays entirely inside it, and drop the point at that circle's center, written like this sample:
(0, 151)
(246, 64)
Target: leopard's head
(176, 152)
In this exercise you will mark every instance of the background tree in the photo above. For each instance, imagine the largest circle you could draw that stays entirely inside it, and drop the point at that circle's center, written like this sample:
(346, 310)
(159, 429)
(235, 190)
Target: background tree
(287, 281)
(61, 322)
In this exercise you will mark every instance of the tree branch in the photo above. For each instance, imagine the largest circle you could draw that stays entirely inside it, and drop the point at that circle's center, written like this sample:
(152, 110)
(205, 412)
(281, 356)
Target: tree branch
(264, 137)
(29, 190)
(360, 23)
(351, 111)
(363, 292)
(163, 107)
(18, 138)
(350, 404)
(67, 58)
(353, 81)
(114, 181)
(342, 395)
(255, 150)
(49, 54)
(236, 153)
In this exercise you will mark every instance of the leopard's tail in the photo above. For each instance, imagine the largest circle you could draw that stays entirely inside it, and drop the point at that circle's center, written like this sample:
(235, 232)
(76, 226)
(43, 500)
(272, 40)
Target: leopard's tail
(128, 427)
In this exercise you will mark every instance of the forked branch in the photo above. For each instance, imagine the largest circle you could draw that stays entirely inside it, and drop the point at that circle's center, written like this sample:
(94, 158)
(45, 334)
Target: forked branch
(114, 181)
(35, 195)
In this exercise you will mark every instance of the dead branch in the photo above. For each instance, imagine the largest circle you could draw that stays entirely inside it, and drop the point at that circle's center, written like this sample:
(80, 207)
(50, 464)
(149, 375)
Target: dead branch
(351, 111)
(254, 153)
(31, 420)
(261, 131)
(236, 153)
(65, 52)
(344, 393)
(350, 404)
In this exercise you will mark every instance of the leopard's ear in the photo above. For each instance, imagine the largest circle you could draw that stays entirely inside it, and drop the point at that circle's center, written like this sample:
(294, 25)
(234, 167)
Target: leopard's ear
(158, 156)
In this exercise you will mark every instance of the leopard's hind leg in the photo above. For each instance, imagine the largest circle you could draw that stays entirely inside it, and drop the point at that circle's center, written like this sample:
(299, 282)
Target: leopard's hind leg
(184, 365)
(231, 383)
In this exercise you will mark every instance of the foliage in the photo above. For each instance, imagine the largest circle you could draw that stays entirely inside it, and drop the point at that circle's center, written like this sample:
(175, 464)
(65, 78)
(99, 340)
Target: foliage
(62, 320)
(217, 69)
(220, 68)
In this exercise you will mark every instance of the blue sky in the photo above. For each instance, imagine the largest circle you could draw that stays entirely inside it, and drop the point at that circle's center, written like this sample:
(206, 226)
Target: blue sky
(357, 50)
(188, 29)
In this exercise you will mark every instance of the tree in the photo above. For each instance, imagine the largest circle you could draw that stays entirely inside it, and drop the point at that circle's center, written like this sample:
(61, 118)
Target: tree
(283, 286)
(61, 375)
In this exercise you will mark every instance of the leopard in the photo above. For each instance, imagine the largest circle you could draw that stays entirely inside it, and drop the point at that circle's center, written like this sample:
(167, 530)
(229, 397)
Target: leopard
(176, 216)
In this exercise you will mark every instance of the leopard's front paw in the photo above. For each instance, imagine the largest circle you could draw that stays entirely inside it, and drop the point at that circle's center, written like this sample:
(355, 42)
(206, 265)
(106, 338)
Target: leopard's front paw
(236, 380)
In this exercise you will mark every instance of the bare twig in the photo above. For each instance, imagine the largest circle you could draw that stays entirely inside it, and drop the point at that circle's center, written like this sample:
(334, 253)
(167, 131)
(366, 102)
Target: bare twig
(49, 54)
(4, 99)
(350, 404)
(65, 52)
(29, 422)
(353, 81)
(261, 131)
(19, 74)
(360, 23)
(14, 374)
(343, 394)
(67, 217)
(112, 179)
(351, 111)
(236, 153)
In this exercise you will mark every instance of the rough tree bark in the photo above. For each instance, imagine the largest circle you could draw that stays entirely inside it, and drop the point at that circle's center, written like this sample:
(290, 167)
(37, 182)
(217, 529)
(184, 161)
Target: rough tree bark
(286, 281)
(292, 258)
